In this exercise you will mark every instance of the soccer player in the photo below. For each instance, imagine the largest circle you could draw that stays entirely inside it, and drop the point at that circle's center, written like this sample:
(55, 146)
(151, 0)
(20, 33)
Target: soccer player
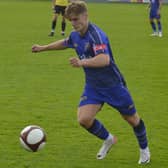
(59, 8)
(103, 80)
(155, 7)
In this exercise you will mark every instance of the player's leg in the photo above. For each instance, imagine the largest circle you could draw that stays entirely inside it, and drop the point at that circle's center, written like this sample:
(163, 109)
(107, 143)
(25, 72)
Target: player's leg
(53, 24)
(139, 129)
(54, 21)
(63, 23)
(121, 99)
(86, 118)
(63, 26)
(140, 133)
(159, 27)
(152, 23)
(158, 16)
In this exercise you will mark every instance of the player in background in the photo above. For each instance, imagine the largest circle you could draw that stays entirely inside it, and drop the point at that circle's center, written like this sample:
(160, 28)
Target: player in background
(58, 8)
(103, 81)
(155, 7)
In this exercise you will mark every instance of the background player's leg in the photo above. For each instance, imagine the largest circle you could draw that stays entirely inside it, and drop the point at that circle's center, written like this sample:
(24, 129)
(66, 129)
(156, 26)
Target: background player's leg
(153, 25)
(159, 27)
(53, 24)
(63, 26)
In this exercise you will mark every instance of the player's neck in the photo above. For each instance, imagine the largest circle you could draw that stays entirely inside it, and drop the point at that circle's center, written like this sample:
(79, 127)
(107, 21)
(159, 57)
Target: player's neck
(84, 30)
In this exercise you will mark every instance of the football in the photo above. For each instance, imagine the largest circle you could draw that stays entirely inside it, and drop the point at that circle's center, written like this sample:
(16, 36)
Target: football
(32, 138)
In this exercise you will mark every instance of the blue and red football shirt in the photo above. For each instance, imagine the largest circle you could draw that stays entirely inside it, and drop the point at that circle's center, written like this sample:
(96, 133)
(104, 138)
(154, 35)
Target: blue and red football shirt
(95, 42)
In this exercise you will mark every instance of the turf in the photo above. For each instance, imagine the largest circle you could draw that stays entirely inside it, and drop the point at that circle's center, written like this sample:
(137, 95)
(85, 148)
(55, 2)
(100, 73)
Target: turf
(44, 89)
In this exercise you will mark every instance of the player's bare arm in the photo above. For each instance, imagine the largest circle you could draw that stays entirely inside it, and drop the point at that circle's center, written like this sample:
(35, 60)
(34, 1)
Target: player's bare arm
(58, 45)
(149, 5)
(160, 4)
(100, 60)
(53, 3)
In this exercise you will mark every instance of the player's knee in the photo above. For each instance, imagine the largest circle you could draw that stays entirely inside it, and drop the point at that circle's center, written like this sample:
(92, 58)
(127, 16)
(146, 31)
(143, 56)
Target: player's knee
(158, 21)
(63, 20)
(151, 21)
(133, 120)
(85, 122)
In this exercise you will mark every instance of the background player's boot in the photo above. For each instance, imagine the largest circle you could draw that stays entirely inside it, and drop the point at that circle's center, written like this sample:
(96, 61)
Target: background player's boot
(160, 34)
(51, 34)
(154, 33)
(144, 156)
(107, 144)
(62, 33)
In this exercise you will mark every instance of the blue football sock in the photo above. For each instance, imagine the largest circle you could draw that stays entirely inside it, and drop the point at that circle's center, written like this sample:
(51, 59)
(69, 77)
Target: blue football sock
(140, 132)
(153, 26)
(159, 26)
(98, 130)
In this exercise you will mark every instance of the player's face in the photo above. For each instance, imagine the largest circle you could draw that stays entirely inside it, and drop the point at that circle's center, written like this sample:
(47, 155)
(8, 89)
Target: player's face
(80, 22)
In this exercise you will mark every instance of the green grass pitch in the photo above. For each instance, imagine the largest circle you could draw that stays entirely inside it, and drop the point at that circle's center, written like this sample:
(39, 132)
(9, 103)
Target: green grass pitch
(44, 89)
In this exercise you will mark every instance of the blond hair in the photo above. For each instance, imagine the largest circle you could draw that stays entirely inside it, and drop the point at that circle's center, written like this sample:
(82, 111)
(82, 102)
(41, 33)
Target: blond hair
(76, 8)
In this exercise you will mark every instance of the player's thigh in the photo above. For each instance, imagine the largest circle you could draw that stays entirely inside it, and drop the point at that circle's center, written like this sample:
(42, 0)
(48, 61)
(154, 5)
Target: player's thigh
(87, 113)
(55, 16)
(62, 10)
(120, 98)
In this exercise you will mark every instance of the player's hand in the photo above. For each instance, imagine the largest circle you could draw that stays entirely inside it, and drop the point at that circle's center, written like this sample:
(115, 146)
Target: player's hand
(75, 62)
(53, 6)
(149, 6)
(158, 12)
(36, 48)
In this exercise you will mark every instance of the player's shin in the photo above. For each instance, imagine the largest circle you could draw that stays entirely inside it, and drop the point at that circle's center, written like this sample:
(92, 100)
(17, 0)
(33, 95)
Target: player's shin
(153, 26)
(63, 25)
(140, 132)
(159, 26)
(98, 130)
(53, 25)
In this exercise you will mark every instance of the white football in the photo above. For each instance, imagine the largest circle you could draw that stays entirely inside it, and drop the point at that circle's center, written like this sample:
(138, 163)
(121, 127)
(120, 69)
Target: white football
(32, 138)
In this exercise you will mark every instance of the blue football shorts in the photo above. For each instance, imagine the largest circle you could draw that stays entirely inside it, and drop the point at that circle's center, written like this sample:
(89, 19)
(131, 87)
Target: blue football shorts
(153, 15)
(118, 97)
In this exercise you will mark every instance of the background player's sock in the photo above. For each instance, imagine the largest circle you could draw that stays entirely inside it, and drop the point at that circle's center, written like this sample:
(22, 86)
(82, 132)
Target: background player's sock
(53, 25)
(159, 26)
(63, 26)
(153, 26)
